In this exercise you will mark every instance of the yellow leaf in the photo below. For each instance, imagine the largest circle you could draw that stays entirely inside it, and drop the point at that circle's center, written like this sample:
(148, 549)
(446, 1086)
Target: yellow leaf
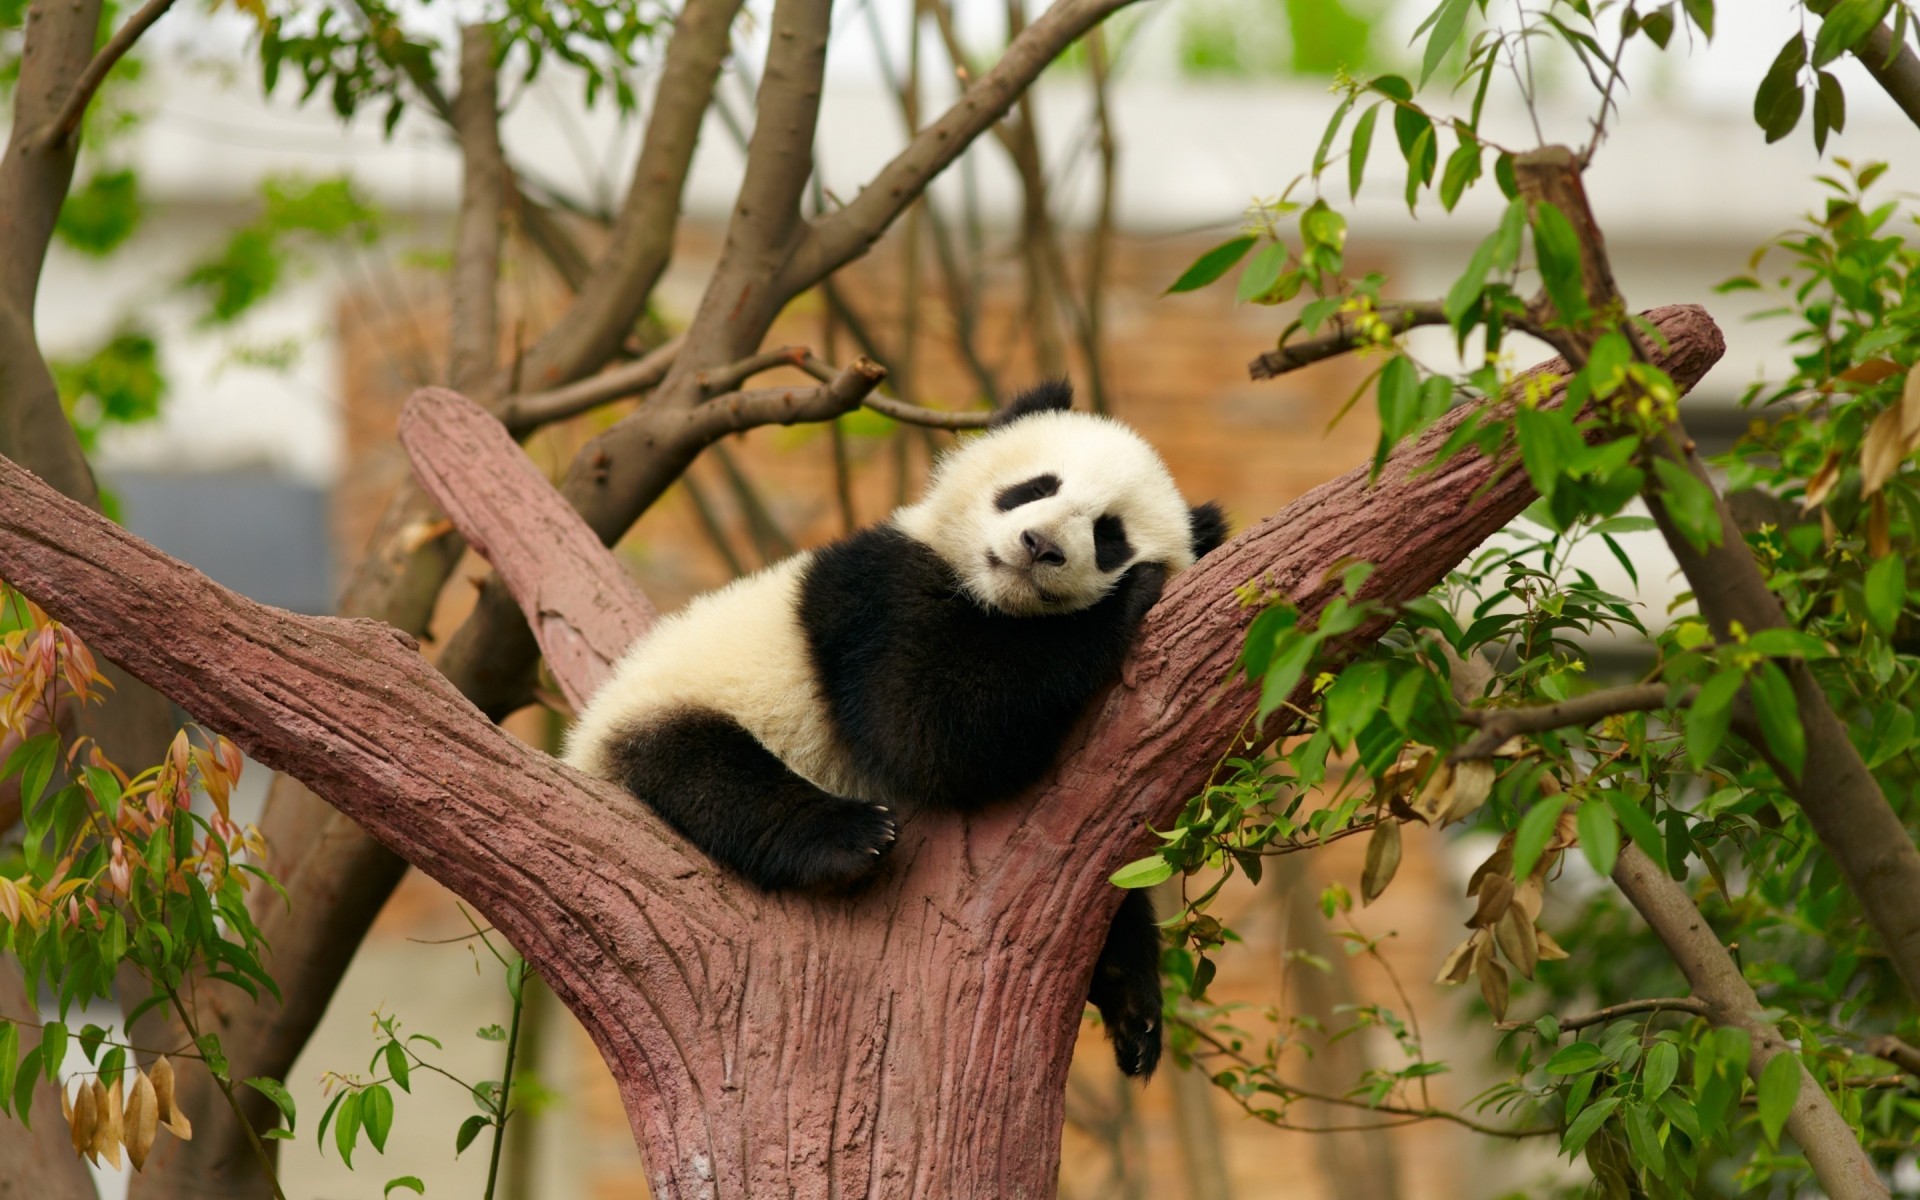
(82, 1116)
(1472, 782)
(1550, 950)
(1821, 485)
(162, 1088)
(1910, 411)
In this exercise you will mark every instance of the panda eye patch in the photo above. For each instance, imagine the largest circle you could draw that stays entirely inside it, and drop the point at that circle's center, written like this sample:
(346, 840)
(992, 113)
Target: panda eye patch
(1110, 545)
(1037, 488)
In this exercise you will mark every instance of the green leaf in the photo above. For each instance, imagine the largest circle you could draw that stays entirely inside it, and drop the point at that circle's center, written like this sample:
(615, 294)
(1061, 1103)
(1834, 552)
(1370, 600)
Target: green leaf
(24, 1083)
(469, 1130)
(1535, 830)
(346, 1126)
(1700, 12)
(1779, 712)
(1399, 397)
(1779, 1088)
(1690, 504)
(9, 1057)
(1463, 167)
(397, 1066)
(1448, 22)
(1886, 588)
(1357, 152)
(1576, 1058)
(1587, 1124)
(410, 1182)
(1262, 272)
(1660, 1069)
(1142, 873)
(1640, 826)
(1709, 716)
(1845, 24)
(1778, 103)
(1599, 836)
(376, 1115)
(1829, 109)
(101, 214)
(1787, 643)
(1213, 264)
(32, 760)
(53, 1048)
(277, 1092)
(1556, 247)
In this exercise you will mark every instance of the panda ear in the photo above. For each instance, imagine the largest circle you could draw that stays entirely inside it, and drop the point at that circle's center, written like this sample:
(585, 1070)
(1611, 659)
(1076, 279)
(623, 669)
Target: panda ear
(1209, 527)
(1053, 395)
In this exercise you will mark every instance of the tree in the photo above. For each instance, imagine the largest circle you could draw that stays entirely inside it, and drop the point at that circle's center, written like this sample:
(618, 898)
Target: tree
(685, 978)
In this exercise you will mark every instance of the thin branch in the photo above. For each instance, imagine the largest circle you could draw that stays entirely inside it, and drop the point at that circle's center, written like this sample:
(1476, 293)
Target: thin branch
(524, 414)
(1897, 1052)
(727, 378)
(75, 108)
(1497, 725)
(476, 268)
(845, 235)
(738, 411)
(1626, 1008)
(1843, 1168)
(1397, 1110)
(1345, 332)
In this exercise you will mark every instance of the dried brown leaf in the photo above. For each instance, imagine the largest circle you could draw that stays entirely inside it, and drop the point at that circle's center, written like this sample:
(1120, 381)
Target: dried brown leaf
(111, 1127)
(1879, 532)
(1821, 485)
(1910, 411)
(1383, 859)
(1493, 986)
(1436, 797)
(1514, 933)
(1530, 894)
(1472, 782)
(81, 1117)
(1496, 896)
(1873, 371)
(1881, 452)
(143, 1120)
(162, 1075)
(1459, 962)
(1550, 950)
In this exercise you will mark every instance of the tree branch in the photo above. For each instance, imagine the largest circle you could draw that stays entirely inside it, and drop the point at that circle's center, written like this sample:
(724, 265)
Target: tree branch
(67, 123)
(476, 264)
(1346, 332)
(1842, 800)
(1897, 1052)
(1894, 66)
(525, 413)
(1497, 725)
(843, 236)
(1843, 1168)
(1613, 1012)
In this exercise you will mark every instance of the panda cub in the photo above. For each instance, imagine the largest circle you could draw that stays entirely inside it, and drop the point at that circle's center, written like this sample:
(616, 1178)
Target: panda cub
(785, 723)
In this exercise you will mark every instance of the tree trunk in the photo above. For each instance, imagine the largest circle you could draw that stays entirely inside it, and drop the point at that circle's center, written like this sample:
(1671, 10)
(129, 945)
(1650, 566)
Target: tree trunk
(910, 1040)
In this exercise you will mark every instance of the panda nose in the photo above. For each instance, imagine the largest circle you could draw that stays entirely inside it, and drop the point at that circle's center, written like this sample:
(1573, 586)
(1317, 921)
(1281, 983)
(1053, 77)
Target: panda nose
(1043, 550)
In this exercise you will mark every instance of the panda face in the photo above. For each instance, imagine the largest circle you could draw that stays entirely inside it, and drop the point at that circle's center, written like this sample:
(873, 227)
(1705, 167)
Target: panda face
(1046, 513)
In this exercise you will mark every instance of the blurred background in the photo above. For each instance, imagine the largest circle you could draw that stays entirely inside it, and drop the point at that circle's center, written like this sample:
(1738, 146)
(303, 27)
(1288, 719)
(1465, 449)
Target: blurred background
(252, 287)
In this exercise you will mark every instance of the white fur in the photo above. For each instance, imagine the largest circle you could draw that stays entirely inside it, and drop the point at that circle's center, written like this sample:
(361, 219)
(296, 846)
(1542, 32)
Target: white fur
(1104, 468)
(741, 650)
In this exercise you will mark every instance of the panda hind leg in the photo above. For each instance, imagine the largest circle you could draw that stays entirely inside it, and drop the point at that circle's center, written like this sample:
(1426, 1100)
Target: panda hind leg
(1126, 986)
(730, 796)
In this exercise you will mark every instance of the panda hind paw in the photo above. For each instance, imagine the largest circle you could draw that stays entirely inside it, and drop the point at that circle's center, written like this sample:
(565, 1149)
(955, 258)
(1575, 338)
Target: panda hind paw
(1136, 1045)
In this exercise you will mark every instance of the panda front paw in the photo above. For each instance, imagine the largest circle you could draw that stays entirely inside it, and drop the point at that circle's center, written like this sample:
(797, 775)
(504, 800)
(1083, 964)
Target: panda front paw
(1141, 587)
(835, 844)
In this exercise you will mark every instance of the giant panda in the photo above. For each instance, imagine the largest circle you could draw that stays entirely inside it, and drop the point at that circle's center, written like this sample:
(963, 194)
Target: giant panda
(785, 723)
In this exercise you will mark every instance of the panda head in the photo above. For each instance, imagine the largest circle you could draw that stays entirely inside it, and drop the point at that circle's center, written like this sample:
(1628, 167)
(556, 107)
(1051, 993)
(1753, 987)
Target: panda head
(1045, 511)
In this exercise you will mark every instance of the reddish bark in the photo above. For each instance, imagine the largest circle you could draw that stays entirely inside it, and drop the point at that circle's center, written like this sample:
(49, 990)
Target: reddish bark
(582, 605)
(910, 1041)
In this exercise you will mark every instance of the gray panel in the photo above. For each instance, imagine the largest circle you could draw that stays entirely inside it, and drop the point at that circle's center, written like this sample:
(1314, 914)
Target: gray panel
(263, 535)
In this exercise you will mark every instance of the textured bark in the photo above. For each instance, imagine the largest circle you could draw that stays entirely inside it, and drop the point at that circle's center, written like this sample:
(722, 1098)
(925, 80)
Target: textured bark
(911, 1041)
(1842, 800)
(1843, 1168)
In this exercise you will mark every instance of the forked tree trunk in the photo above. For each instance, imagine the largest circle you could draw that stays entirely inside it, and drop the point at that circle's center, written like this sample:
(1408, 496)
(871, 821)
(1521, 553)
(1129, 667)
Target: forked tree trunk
(911, 1040)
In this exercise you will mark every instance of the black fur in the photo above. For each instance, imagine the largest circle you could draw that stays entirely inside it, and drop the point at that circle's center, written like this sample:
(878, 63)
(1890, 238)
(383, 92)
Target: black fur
(1126, 985)
(941, 701)
(729, 795)
(1052, 395)
(1110, 544)
(1209, 528)
(1037, 488)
